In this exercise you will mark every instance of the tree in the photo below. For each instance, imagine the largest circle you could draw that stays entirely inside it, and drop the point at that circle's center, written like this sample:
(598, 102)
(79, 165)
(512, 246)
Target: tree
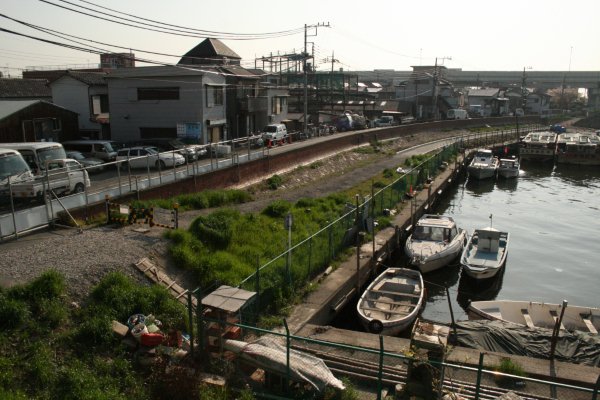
(565, 99)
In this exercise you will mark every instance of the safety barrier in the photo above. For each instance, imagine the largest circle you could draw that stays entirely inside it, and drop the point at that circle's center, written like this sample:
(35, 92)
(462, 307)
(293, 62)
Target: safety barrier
(128, 215)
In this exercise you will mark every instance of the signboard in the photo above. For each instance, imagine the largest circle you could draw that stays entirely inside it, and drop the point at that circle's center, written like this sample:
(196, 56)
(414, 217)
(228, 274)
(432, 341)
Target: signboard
(189, 130)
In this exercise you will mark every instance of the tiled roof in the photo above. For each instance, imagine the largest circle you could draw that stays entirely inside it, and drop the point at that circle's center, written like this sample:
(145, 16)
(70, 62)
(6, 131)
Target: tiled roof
(484, 92)
(24, 88)
(89, 78)
(9, 107)
(209, 51)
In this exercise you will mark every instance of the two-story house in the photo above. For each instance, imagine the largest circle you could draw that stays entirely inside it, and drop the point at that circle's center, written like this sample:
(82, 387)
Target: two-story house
(85, 93)
(167, 102)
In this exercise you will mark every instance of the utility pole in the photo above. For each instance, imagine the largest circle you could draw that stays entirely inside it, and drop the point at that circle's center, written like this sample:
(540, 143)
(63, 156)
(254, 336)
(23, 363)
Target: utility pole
(304, 58)
(434, 90)
(524, 89)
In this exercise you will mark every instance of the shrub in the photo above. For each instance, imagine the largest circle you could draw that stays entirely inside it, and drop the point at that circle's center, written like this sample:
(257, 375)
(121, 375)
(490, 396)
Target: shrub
(95, 331)
(215, 230)
(508, 366)
(277, 209)
(388, 173)
(49, 285)
(13, 313)
(274, 182)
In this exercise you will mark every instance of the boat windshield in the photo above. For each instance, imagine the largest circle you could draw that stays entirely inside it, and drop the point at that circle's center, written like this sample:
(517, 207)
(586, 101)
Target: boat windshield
(433, 233)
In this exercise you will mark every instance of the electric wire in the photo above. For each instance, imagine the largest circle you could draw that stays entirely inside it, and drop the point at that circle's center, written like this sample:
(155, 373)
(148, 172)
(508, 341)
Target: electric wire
(169, 31)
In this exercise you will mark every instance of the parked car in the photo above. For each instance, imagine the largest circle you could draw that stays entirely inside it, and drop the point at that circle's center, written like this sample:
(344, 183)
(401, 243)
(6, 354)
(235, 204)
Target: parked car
(91, 164)
(102, 149)
(171, 144)
(143, 156)
(384, 120)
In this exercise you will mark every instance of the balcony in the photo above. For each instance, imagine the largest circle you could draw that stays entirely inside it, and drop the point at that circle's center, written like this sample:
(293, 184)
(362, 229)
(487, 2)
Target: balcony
(253, 104)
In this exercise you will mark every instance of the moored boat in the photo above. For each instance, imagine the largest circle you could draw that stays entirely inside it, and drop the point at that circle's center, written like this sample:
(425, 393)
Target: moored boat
(538, 146)
(485, 253)
(392, 301)
(578, 148)
(435, 242)
(538, 315)
(508, 167)
(483, 165)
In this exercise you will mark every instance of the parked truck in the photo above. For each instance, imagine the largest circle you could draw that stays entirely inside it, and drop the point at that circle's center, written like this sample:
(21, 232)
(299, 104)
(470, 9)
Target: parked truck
(456, 113)
(62, 176)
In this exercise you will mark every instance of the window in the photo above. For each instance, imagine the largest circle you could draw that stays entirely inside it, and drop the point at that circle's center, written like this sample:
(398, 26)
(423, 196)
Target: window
(163, 93)
(277, 105)
(100, 104)
(214, 96)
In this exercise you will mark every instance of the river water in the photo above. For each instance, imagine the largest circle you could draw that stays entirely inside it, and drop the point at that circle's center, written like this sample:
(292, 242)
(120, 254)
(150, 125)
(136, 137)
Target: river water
(552, 214)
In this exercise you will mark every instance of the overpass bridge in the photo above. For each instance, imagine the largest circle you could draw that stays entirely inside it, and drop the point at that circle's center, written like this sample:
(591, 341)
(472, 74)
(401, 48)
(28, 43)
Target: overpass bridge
(460, 78)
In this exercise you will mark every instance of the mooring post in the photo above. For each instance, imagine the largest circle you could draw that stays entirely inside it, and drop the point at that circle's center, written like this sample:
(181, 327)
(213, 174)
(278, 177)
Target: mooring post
(287, 356)
(479, 372)
(380, 371)
(451, 311)
(191, 322)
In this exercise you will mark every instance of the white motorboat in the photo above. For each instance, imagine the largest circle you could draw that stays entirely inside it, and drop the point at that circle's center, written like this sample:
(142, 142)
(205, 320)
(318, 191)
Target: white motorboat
(483, 165)
(435, 242)
(539, 146)
(538, 315)
(485, 253)
(509, 167)
(392, 301)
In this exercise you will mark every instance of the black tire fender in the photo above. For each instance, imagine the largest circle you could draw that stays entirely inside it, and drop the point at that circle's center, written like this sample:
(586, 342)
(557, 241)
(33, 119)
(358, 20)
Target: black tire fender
(375, 326)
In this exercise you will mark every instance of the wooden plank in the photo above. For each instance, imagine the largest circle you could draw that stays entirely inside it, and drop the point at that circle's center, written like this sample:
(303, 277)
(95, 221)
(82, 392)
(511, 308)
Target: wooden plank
(590, 326)
(394, 293)
(396, 303)
(527, 317)
(385, 311)
(157, 276)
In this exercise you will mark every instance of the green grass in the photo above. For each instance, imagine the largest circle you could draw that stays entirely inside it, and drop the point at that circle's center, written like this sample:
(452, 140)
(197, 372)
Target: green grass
(199, 200)
(52, 350)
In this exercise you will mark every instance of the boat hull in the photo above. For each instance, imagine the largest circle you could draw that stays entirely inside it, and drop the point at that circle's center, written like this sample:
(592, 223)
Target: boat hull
(437, 259)
(537, 315)
(392, 301)
(481, 263)
(481, 172)
(508, 172)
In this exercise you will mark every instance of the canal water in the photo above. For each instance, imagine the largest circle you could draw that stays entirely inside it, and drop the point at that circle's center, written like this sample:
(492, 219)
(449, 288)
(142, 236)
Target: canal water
(552, 214)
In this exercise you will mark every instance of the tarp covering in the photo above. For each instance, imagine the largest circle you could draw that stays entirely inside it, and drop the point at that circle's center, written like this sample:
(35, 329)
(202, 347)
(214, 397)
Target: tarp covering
(268, 354)
(506, 337)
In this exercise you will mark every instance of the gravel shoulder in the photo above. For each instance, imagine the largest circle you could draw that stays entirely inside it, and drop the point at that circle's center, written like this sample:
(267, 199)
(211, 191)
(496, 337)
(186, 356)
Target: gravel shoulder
(85, 258)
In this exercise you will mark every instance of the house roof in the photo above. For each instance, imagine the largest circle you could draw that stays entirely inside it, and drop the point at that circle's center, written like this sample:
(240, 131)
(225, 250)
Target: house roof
(209, 51)
(89, 78)
(239, 71)
(10, 107)
(24, 88)
(484, 92)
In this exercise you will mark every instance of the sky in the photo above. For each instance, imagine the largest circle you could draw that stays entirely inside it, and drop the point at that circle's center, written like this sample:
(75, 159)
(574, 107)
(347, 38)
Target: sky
(542, 35)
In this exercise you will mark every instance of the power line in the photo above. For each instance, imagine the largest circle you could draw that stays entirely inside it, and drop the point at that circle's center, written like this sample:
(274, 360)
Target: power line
(293, 31)
(169, 31)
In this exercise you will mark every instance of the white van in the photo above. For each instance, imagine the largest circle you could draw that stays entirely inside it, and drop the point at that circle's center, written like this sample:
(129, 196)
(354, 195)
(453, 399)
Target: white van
(456, 113)
(275, 133)
(13, 167)
(36, 154)
(102, 149)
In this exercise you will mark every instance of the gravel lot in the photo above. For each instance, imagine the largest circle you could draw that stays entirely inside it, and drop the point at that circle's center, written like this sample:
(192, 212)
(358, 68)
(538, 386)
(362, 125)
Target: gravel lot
(84, 258)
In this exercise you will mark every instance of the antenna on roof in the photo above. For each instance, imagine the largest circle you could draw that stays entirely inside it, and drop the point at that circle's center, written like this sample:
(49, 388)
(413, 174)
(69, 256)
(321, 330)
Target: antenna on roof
(491, 220)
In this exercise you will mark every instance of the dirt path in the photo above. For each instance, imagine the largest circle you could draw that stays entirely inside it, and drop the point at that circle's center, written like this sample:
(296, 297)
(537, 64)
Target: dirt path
(329, 175)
